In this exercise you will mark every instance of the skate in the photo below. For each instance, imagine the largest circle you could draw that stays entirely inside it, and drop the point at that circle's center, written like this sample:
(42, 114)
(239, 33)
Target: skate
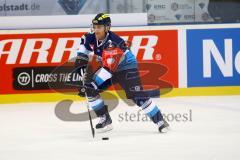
(163, 126)
(105, 123)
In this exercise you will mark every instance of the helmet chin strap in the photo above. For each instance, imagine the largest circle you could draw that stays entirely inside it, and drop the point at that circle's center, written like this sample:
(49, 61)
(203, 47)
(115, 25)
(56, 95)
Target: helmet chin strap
(105, 29)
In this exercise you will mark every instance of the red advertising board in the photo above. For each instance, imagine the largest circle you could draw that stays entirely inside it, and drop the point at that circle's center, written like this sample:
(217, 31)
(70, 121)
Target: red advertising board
(26, 50)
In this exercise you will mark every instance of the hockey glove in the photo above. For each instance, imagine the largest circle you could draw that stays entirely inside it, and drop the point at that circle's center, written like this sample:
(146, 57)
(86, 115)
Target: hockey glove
(81, 64)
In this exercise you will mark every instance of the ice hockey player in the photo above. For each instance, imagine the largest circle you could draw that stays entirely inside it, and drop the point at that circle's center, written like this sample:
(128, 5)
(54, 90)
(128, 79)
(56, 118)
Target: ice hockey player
(118, 65)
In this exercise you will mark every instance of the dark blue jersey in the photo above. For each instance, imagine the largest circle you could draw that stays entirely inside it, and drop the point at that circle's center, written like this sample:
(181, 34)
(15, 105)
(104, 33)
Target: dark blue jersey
(89, 43)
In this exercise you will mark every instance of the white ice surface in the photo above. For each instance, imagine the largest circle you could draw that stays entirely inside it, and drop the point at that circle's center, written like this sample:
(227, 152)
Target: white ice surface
(33, 132)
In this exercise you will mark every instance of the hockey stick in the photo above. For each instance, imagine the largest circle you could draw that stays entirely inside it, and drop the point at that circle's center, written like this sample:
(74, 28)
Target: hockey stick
(89, 115)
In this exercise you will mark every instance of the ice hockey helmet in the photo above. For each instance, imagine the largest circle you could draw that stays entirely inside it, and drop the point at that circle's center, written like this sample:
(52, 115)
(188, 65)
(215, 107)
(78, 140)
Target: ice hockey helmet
(102, 19)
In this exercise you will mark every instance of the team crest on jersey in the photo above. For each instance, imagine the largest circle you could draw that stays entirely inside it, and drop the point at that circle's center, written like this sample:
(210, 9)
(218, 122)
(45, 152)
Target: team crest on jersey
(111, 58)
(72, 6)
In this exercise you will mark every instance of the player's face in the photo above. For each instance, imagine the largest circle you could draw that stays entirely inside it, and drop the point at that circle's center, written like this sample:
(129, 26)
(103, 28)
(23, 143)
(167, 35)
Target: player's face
(99, 31)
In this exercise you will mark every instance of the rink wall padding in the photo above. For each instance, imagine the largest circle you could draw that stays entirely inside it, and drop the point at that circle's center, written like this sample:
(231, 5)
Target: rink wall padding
(193, 60)
(176, 92)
